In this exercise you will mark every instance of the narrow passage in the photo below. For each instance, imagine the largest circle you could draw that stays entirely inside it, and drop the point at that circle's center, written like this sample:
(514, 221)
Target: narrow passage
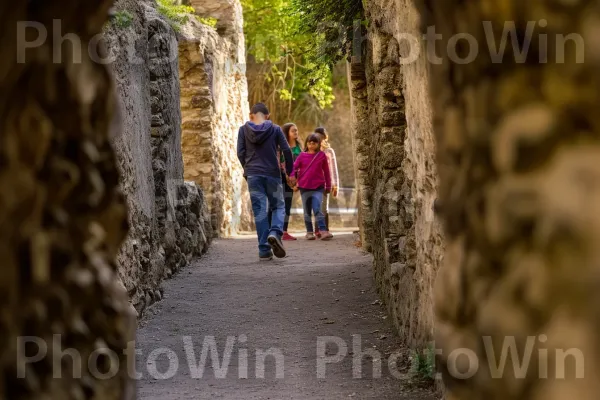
(320, 290)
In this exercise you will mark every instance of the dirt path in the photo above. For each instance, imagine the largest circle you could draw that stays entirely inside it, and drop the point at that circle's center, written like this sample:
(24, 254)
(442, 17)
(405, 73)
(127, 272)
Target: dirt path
(322, 289)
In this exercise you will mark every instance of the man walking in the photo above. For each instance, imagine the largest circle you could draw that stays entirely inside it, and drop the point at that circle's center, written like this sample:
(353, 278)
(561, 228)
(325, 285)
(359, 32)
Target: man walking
(258, 142)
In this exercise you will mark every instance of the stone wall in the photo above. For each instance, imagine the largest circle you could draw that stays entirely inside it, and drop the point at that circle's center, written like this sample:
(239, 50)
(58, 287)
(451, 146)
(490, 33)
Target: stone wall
(396, 171)
(169, 220)
(518, 150)
(62, 216)
(214, 104)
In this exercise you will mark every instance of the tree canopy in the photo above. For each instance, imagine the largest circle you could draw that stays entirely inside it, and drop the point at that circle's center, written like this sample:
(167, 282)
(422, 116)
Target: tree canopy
(330, 24)
(292, 46)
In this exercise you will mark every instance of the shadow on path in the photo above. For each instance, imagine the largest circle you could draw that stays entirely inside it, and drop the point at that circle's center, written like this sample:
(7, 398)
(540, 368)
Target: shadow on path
(322, 289)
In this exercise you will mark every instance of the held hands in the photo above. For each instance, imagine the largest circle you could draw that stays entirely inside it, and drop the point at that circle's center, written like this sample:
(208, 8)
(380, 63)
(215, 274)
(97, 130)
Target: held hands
(292, 181)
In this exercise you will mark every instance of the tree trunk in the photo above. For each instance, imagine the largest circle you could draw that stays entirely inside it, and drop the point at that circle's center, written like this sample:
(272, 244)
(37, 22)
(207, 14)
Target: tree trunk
(62, 218)
(519, 163)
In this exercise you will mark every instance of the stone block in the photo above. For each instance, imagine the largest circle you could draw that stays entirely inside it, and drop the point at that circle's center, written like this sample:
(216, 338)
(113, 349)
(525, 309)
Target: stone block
(159, 69)
(392, 155)
(157, 104)
(154, 89)
(157, 120)
(393, 118)
(394, 134)
(363, 162)
(161, 131)
(202, 102)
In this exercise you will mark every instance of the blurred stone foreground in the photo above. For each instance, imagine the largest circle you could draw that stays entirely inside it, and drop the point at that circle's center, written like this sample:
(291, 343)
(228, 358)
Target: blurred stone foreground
(95, 211)
(63, 217)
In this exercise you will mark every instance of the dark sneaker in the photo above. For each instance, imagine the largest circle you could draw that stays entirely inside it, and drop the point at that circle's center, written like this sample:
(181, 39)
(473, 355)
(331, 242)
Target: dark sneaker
(277, 246)
(266, 257)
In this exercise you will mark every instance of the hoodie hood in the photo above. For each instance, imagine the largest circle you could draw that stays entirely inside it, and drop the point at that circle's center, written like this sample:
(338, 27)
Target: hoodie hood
(257, 134)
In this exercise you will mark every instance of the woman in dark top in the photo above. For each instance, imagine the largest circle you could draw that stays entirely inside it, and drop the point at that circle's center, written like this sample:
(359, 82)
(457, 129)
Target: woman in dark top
(290, 131)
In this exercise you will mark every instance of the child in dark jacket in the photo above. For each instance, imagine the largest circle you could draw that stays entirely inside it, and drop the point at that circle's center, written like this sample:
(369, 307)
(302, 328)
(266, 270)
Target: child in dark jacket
(314, 178)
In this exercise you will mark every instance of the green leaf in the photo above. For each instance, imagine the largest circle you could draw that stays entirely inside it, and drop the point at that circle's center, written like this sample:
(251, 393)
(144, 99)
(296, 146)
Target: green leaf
(176, 14)
(299, 41)
(123, 19)
(284, 94)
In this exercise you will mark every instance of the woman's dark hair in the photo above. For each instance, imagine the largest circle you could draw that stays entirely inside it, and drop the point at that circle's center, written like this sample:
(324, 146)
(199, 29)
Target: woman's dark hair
(286, 130)
(313, 137)
(322, 131)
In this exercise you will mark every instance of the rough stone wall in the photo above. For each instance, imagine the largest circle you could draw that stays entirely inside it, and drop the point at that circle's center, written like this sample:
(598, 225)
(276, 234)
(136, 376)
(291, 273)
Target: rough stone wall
(518, 149)
(214, 104)
(166, 231)
(361, 140)
(396, 170)
(62, 216)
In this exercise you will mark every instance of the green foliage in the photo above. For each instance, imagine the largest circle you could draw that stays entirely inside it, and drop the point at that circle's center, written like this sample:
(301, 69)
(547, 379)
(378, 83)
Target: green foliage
(176, 14)
(299, 41)
(423, 363)
(269, 29)
(208, 21)
(331, 24)
(180, 14)
(280, 71)
(122, 19)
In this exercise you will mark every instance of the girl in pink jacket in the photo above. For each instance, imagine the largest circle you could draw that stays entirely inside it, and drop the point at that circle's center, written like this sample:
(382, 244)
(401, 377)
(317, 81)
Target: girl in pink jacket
(314, 179)
(333, 170)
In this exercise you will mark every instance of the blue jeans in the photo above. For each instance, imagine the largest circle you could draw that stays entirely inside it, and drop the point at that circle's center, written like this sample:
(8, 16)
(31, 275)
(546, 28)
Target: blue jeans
(266, 193)
(289, 198)
(311, 200)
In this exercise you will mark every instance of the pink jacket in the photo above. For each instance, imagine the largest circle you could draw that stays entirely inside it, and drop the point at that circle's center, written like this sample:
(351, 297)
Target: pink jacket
(313, 177)
(333, 169)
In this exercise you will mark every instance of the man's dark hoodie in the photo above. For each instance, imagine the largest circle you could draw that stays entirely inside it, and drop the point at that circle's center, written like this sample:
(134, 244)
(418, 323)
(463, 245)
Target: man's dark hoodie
(257, 149)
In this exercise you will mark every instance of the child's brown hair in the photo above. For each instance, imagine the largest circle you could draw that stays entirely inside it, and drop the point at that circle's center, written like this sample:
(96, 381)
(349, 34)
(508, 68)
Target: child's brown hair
(315, 138)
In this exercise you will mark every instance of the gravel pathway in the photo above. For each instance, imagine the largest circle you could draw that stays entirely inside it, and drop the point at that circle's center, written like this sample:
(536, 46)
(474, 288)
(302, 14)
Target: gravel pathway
(291, 309)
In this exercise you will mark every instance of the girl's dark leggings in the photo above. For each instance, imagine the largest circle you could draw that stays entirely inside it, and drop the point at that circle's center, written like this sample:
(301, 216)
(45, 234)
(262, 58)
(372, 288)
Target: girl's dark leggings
(289, 196)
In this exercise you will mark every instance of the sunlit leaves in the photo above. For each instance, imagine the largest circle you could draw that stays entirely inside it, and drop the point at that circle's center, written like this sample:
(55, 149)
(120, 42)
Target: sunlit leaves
(176, 14)
(274, 36)
(331, 23)
(301, 40)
